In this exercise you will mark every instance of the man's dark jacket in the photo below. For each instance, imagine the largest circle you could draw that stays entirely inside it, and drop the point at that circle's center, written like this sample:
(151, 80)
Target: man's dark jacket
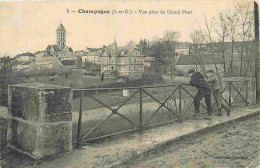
(198, 81)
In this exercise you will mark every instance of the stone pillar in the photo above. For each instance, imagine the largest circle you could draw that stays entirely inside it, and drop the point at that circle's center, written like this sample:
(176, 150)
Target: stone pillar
(40, 119)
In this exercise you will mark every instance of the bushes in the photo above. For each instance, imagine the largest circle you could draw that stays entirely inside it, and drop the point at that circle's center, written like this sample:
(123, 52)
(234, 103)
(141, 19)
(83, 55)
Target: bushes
(151, 78)
(55, 71)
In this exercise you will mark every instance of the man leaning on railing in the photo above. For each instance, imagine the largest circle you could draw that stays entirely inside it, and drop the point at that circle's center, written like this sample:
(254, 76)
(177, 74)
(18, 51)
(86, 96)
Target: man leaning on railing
(204, 91)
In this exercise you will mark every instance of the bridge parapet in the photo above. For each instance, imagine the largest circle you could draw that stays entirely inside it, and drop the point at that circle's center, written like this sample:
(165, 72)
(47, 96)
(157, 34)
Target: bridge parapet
(40, 119)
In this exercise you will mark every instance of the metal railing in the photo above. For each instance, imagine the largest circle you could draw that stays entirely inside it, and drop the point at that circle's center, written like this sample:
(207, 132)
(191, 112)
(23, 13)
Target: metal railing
(236, 89)
(177, 99)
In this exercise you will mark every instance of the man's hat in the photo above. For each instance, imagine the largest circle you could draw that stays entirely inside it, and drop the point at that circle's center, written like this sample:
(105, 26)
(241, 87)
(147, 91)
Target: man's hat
(210, 71)
(191, 71)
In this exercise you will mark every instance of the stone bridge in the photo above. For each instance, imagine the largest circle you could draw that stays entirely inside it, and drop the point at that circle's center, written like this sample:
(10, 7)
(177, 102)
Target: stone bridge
(40, 118)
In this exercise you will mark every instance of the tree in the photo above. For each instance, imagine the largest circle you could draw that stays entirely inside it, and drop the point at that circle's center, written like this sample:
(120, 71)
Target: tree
(197, 40)
(230, 35)
(8, 75)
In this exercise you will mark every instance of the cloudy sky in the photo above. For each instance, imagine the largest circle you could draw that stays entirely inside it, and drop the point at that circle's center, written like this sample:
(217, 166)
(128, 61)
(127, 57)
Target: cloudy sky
(31, 26)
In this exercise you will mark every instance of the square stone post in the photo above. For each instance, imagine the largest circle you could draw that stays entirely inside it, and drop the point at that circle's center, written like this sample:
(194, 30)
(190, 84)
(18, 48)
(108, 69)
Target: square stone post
(40, 119)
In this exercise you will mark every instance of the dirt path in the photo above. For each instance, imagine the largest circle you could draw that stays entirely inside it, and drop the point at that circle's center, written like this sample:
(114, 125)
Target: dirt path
(236, 145)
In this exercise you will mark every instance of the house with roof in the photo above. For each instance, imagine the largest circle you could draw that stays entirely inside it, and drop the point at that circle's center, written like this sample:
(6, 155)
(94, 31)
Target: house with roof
(48, 62)
(39, 53)
(92, 57)
(126, 61)
(26, 66)
(24, 57)
(183, 48)
(24, 61)
(201, 61)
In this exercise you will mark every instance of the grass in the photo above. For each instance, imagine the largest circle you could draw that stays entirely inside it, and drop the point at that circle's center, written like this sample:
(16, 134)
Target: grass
(75, 81)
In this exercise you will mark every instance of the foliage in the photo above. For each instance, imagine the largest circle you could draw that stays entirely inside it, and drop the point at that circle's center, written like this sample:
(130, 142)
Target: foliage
(163, 50)
(230, 35)
(8, 76)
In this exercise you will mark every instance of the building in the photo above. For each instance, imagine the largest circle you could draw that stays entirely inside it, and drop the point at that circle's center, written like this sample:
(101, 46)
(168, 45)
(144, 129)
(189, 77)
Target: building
(39, 53)
(60, 48)
(92, 57)
(61, 36)
(124, 61)
(24, 61)
(200, 61)
(25, 57)
(67, 57)
(48, 62)
(183, 48)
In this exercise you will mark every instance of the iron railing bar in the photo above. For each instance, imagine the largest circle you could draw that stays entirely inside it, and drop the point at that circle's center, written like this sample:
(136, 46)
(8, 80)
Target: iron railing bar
(184, 99)
(224, 89)
(127, 119)
(141, 109)
(180, 98)
(99, 101)
(163, 103)
(171, 94)
(168, 99)
(224, 99)
(223, 92)
(128, 131)
(110, 135)
(240, 89)
(175, 103)
(132, 101)
(97, 126)
(80, 121)
(151, 96)
(157, 99)
(189, 105)
(187, 109)
(170, 111)
(153, 114)
(238, 93)
(127, 100)
(122, 88)
(247, 81)
(192, 96)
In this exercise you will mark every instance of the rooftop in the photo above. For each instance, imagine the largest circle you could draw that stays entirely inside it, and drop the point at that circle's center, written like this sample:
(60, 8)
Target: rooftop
(199, 59)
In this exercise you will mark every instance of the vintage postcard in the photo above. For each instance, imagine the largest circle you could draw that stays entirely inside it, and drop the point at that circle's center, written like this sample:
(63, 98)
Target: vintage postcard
(109, 83)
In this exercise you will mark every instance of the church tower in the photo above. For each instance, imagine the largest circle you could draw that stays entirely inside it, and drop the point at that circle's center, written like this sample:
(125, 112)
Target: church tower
(61, 36)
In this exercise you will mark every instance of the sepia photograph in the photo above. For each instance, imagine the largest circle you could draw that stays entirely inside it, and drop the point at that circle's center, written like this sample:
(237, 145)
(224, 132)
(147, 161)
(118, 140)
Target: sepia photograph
(129, 84)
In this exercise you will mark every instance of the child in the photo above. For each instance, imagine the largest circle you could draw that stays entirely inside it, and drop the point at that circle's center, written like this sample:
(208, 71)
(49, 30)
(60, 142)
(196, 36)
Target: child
(215, 84)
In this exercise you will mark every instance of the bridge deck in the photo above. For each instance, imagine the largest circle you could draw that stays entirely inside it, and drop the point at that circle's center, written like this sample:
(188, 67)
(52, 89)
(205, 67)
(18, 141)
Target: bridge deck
(124, 148)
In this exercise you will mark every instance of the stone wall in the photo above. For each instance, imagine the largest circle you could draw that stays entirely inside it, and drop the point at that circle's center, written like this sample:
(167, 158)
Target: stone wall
(40, 119)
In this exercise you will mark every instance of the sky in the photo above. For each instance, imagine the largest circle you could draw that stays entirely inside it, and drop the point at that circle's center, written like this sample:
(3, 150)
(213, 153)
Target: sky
(31, 26)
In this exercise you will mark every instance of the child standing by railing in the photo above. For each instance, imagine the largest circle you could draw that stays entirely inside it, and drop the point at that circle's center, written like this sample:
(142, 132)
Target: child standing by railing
(215, 85)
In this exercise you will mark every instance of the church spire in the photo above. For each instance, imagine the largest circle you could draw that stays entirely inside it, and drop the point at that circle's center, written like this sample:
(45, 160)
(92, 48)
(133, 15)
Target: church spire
(115, 44)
